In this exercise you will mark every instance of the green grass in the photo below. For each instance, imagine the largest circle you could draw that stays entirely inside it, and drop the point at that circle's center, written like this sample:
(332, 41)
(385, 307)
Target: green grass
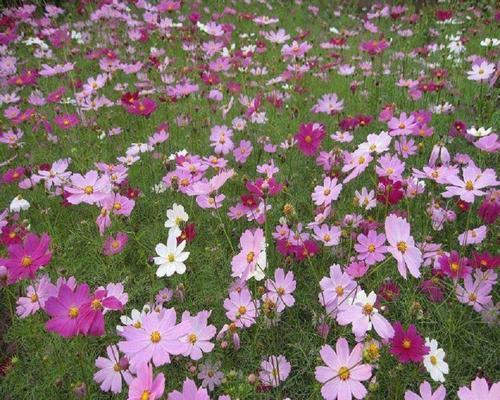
(48, 367)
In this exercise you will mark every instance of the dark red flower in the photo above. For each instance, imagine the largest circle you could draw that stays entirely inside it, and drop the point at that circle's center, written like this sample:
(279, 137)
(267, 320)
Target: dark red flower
(408, 346)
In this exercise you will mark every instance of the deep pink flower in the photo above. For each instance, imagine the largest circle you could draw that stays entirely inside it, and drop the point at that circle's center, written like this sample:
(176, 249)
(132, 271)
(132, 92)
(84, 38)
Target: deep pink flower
(114, 245)
(65, 309)
(91, 317)
(408, 346)
(26, 258)
(143, 107)
(454, 266)
(309, 137)
(66, 121)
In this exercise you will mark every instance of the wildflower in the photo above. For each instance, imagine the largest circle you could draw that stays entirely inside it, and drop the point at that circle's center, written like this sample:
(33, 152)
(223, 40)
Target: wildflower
(324, 195)
(479, 390)
(112, 370)
(336, 288)
(115, 245)
(251, 260)
(434, 361)
(156, 339)
(189, 392)
(241, 309)
(200, 333)
(371, 247)
(473, 236)
(481, 72)
(471, 185)
(474, 293)
(343, 373)
(176, 218)
(210, 375)
(280, 290)
(309, 138)
(408, 345)
(88, 189)
(274, 370)
(402, 246)
(66, 121)
(426, 393)
(171, 257)
(18, 203)
(145, 385)
(36, 297)
(454, 266)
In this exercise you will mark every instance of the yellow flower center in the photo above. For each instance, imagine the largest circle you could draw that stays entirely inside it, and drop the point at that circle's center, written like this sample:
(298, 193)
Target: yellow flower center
(242, 310)
(308, 139)
(406, 344)
(192, 338)
(402, 247)
(280, 291)
(73, 312)
(115, 244)
(472, 297)
(454, 266)
(250, 257)
(433, 360)
(371, 248)
(344, 373)
(339, 290)
(171, 257)
(145, 394)
(137, 324)
(26, 261)
(469, 185)
(155, 337)
(402, 126)
(117, 206)
(361, 160)
(326, 192)
(117, 367)
(34, 298)
(367, 309)
(88, 189)
(96, 304)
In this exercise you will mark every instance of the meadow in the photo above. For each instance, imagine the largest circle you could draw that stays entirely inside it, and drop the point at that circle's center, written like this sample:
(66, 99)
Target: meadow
(249, 199)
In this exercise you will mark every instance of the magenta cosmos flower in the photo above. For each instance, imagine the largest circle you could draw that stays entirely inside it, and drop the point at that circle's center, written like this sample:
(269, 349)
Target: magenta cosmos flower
(479, 391)
(189, 392)
(274, 370)
(66, 121)
(27, 258)
(144, 387)
(402, 246)
(65, 310)
(343, 373)
(371, 247)
(156, 339)
(114, 245)
(309, 138)
(88, 189)
(426, 393)
(408, 345)
(91, 316)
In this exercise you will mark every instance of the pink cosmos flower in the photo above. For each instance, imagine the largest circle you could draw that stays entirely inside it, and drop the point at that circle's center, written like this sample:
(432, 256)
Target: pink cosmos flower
(426, 393)
(274, 370)
(330, 191)
(489, 143)
(65, 308)
(371, 247)
(403, 125)
(115, 245)
(280, 290)
(200, 333)
(474, 293)
(156, 339)
(220, 138)
(112, 371)
(27, 258)
(189, 392)
(118, 204)
(328, 235)
(36, 297)
(473, 236)
(356, 163)
(243, 151)
(402, 246)
(343, 373)
(66, 121)
(143, 107)
(454, 266)
(88, 189)
(473, 180)
(328, 104)
(362, 314)
(408, 345)
(241, 309)
(309, 138)
(246, 263)
(336, 289)
(479, 390)
(143, 386)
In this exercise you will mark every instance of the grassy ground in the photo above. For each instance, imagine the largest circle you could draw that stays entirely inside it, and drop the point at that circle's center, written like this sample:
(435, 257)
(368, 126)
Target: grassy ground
(48, 367)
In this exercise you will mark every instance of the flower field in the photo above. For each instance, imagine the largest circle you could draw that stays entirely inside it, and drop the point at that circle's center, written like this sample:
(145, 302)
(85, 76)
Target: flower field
(249, 199)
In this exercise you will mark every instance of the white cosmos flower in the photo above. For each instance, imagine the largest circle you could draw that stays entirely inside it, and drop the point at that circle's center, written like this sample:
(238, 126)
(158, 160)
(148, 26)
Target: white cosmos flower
(18, 204)
(479, 132)
(434, 361)
(171, 257)
(176, 217)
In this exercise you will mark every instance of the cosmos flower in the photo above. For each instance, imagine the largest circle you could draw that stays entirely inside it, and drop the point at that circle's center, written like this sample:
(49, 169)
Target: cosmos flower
(274, 370)
(425, 391)
(171, 257)
(408, 346)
